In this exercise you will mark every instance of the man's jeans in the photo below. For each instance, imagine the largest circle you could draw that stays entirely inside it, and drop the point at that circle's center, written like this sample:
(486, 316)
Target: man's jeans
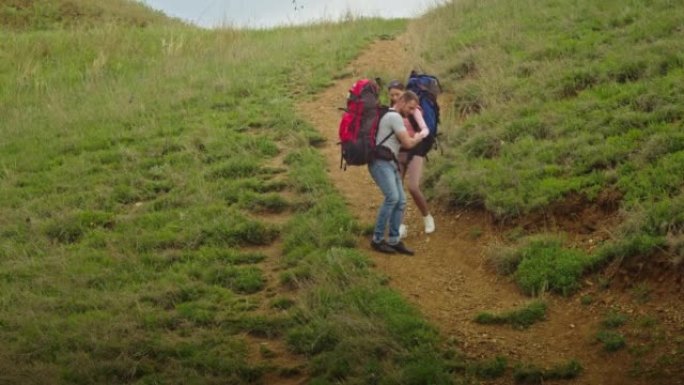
(386, 176)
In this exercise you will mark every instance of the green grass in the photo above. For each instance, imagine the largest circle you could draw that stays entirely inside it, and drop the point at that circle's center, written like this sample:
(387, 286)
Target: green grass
(579, 98)
(531, 374)
(139, 169)
(45, 14)
(521, 318)
(489, 369)
(612, 341)
(350, 322)
(542, 263)
(614, 320)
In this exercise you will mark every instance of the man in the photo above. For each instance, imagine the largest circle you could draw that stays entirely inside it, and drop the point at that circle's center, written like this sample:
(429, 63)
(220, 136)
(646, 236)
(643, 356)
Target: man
(384, 170)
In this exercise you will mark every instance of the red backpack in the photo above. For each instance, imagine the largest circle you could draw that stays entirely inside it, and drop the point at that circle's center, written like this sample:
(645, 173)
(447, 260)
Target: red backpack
(359, 124)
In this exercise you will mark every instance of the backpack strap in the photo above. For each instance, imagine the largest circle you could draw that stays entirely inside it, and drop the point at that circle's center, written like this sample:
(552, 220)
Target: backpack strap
(385, 139)
(380, 144)
(414, 123)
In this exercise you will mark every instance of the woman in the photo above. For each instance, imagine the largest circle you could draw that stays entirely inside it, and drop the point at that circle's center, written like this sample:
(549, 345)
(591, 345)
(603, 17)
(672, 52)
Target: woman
(412, 162)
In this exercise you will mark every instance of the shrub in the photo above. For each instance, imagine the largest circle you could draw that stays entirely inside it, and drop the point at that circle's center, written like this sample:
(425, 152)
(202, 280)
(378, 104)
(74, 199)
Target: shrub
(614, 320)
(612, 341)
(546, 265)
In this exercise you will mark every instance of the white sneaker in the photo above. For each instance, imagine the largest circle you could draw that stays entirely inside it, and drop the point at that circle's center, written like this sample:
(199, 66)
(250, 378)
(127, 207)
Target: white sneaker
(429, 224)
(403, 231)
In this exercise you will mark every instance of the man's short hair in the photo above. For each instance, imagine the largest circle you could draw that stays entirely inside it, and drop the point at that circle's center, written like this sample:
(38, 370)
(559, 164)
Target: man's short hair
(408, 96)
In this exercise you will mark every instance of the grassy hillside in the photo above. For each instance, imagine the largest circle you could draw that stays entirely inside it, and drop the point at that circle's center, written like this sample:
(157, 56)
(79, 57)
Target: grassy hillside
(164, 217)
(561, 106)
(50, 14)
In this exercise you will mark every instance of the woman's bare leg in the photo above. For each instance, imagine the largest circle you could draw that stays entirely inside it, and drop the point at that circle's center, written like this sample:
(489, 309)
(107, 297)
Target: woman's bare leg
(415, 173)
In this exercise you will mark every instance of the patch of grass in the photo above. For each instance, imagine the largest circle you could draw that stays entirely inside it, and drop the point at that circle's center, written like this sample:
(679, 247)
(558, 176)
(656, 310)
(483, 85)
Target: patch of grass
(295, 278)
(247, 280)
(282, 303)
(71, 228)
(236, 168)
(646, 321)
(490, 369)
(521, 318)
(546, 265)
(504, 259)
(234, 230)
(641, 293)
(257, 325)
(358, 342)
(222, 255)
(264, 203)
(571, 369)
(614, 320)
(531, 374)
(612, 341)
(475, 232)
(266, 352)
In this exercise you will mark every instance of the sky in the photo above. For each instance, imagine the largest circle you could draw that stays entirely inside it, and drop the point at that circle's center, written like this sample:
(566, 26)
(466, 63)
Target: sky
(270, 13)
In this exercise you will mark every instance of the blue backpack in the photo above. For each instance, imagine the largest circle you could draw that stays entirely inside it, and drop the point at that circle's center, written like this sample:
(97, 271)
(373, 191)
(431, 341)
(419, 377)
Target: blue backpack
(427, 88)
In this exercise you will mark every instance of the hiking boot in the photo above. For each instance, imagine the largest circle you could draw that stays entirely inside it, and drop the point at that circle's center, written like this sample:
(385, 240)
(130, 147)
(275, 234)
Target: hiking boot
(403, 231)
(382, 247)
(401, 248)
(429, 224)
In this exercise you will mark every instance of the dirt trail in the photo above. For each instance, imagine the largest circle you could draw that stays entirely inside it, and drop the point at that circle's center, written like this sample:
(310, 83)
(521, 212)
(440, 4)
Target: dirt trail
(447, 278)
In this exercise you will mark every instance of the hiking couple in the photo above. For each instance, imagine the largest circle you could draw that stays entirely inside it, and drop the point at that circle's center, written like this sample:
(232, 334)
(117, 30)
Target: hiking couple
(403, 132)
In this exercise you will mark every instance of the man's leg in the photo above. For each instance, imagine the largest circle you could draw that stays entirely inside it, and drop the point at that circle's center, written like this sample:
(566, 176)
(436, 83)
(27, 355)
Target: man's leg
(385, 175)
(397, 213)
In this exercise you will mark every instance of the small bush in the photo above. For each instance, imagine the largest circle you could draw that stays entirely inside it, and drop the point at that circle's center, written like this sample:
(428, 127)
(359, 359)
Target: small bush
(546, 265)
(612, 341)
(614, 320)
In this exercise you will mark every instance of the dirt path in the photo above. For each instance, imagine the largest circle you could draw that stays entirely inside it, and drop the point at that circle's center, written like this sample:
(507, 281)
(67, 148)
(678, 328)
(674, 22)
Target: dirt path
(447, 279)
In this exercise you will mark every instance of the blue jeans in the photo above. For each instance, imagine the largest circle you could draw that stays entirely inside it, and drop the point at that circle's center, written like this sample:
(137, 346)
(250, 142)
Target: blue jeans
(386, 176)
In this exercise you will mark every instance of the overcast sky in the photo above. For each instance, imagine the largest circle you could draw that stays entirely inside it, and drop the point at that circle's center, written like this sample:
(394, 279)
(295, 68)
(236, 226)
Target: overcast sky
(268, 13)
